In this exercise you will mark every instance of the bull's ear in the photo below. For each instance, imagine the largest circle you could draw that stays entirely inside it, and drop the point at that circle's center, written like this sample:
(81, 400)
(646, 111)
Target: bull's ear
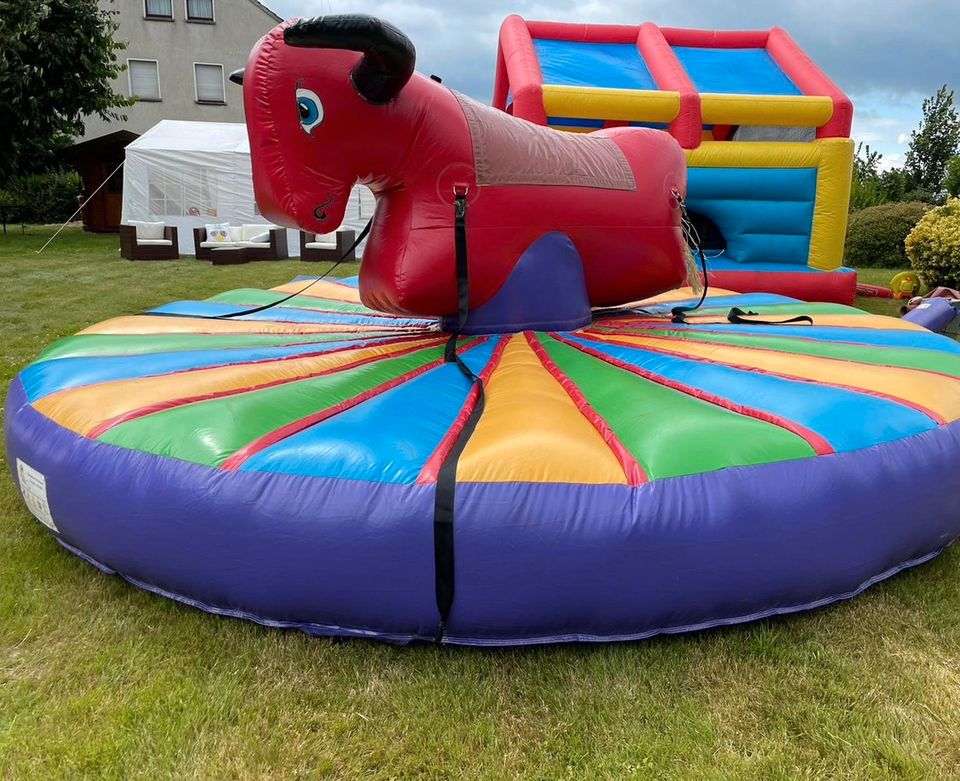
(388, 55)
(237, 77)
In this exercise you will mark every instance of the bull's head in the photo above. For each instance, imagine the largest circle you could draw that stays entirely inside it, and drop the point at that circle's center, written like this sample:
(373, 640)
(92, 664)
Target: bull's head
(318, 96)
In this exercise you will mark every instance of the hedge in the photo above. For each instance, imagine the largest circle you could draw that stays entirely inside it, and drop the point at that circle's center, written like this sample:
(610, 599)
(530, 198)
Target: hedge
(40, 198)
(875, 235)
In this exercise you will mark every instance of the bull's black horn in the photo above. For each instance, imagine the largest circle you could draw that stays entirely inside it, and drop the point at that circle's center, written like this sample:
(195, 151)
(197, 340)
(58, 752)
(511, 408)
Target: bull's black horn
(237, 77)
(388, 55)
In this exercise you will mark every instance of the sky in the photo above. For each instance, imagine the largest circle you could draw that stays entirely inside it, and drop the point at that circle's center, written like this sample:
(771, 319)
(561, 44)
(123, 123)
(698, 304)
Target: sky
(887, 55)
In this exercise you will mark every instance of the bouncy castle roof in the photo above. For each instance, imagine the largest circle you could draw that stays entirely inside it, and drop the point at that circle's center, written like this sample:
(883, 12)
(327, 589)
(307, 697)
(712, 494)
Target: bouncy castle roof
(586, 76)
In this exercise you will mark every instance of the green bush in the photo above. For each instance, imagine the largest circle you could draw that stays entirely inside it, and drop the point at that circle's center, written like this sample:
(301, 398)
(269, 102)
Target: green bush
(952, 183)
(40, 198)
(933, 246)
(875, 235)
(9, 208)
(924, 196)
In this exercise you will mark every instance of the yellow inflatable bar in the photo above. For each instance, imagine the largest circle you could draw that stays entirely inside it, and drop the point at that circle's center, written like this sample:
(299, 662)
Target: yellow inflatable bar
(779, 110)
(623, 105)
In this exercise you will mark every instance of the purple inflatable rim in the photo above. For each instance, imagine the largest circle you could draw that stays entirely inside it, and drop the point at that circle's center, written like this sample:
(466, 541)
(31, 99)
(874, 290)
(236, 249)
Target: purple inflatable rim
(670, 546)
(322, 630)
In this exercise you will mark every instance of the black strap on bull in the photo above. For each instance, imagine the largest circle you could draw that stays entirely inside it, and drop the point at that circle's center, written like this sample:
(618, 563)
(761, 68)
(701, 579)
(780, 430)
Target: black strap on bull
(445, 497)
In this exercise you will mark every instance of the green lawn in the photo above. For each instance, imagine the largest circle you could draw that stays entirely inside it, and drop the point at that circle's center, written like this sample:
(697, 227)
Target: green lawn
(100, 680)
(882, 277)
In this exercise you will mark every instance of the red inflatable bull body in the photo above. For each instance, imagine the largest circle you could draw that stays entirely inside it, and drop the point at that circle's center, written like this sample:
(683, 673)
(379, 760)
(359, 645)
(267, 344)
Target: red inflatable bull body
(334, 101)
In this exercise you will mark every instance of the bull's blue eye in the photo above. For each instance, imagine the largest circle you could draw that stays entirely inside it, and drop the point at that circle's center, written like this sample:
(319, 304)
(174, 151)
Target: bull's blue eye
(310, 109)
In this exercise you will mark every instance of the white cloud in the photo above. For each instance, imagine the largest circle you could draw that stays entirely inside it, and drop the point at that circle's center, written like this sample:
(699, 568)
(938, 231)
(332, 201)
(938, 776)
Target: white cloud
(903, 139)
(887, 60)
(895, 47)
(885, 122)
(891, 161)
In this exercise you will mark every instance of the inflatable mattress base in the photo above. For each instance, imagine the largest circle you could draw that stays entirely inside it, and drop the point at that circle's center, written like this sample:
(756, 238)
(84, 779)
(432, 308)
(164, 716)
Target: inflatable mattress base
(629, 478)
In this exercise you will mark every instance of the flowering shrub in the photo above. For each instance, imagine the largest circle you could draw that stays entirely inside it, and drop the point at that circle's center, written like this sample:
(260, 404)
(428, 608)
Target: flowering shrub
(933, 246)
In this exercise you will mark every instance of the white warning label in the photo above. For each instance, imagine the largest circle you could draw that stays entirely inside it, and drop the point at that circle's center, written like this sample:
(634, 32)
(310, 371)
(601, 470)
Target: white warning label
(33, 486)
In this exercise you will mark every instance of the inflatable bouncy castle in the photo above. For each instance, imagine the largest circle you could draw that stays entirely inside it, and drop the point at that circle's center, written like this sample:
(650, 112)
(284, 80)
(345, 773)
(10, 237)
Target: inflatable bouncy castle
(516, 426)
(766, 135)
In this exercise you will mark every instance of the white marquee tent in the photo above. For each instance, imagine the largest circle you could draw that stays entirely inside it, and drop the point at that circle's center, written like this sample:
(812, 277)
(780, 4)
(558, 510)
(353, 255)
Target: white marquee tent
(190, 174)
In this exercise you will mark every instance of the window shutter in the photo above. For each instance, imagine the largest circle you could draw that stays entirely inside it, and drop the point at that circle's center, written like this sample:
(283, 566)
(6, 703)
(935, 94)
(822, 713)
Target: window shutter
(144, 80)
(209, 83)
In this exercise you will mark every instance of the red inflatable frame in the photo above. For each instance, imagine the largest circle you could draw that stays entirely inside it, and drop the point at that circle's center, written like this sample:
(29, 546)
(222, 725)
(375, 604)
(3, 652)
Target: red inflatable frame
(518, 70)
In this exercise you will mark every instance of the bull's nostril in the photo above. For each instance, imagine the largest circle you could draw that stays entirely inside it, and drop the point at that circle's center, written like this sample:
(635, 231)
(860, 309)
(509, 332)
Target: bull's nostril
(319, 212)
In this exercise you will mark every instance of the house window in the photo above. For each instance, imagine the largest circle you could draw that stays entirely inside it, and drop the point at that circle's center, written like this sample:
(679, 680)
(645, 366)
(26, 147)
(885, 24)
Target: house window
(144, 76)
(158, 9)
(199, 10)
(209, 81)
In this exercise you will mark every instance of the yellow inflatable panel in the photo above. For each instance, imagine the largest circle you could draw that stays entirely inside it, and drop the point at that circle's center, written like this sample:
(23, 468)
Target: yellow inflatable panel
(623, 105)
(532, 431)
(832, 204)
(780, 110)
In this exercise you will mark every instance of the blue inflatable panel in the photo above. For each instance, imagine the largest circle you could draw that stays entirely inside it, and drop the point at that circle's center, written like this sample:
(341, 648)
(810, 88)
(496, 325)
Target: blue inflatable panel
(598, 123)
(827, 333)
(573, 122)
(734, 71)
(790, 185)
(353, 282)
(46, 377)
(763, 213)
(283, 314)
(720, 302)
(825, 409)
(581, 64)
(386, 439)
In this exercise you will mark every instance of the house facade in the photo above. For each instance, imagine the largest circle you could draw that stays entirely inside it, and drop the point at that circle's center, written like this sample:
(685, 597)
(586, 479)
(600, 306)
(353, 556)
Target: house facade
(179, 54)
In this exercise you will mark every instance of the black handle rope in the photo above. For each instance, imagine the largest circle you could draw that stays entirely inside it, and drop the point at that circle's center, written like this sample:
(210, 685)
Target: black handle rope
(344, 256)
(738, 315)
(692, 240)
(735, 315)
(264, 307)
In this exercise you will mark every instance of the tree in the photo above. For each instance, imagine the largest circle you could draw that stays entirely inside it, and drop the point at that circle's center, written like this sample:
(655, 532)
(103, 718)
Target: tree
(952, 182)
(934, 142)
(894, 184)
(57, 59)
(865, 188)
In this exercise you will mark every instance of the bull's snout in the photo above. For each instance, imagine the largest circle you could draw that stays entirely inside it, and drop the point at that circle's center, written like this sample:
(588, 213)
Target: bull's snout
(320, 211)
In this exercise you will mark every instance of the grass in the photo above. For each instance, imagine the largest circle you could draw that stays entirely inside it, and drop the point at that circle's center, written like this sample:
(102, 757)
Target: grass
(882, 277)
(101, 680)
